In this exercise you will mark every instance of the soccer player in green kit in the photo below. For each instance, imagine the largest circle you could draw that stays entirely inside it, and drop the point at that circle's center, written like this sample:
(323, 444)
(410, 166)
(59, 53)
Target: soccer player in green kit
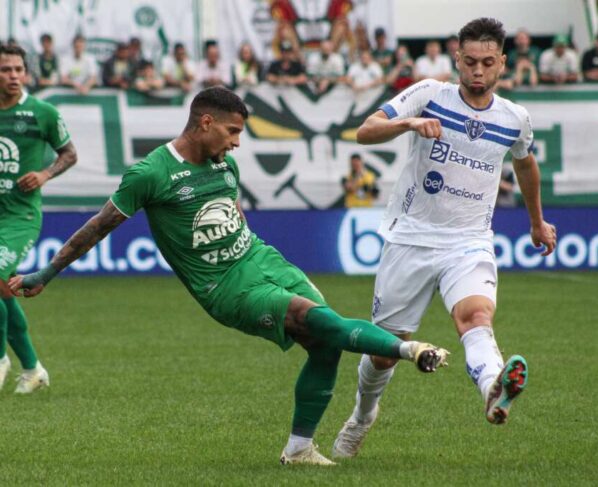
(27, 126)
(189, 189)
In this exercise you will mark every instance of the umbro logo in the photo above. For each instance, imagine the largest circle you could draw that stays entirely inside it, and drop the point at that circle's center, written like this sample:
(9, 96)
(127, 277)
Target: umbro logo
(185, 190)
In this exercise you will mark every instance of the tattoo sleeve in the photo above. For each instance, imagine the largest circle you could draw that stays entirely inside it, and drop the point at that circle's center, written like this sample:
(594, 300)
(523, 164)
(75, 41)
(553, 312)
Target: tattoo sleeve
(67, 157)
(88, 235)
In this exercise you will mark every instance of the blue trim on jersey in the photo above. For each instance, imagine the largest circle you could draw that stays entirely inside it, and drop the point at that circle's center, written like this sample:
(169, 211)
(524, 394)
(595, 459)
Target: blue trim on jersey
(474, 108)
(461, 128)
(389, 110)
(458, 116)
(532, 147)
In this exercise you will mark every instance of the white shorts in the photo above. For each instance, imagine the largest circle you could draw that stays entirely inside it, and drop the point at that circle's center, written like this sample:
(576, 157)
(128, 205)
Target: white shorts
(408, 276)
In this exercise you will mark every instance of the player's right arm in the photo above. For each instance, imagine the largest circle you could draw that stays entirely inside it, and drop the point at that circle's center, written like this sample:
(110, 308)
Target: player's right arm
(402, 114)
(84, 239)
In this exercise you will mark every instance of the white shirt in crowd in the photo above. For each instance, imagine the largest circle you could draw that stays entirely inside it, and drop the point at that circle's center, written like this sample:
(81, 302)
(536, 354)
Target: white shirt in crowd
(363, 75)
(447, 191)
(79, 70)
(333, 67)
(177, 71)
(550, 63)
(221, 71)
(427, 68)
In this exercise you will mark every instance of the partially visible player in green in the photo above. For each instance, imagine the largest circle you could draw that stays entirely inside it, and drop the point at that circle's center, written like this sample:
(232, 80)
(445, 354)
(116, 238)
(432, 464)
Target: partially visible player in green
(27, 126)
(189, 189)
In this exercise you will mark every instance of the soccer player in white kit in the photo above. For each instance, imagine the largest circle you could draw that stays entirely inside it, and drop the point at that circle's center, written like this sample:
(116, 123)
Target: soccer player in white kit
(437, 223)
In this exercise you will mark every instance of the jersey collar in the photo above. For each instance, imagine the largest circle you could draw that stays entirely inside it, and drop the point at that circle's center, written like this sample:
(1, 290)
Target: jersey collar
(174, 152)
(487, 107)
(23, 98)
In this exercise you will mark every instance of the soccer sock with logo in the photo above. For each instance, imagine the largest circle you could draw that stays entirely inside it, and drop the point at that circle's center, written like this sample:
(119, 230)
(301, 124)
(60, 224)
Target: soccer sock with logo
(313, 392)
(369, 389)
(3, 328)
(354, 335)
(482, 357)
(18, 336)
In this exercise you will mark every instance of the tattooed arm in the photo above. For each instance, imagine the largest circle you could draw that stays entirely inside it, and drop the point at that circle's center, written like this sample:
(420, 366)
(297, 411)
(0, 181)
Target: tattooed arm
(67, 157)
(79, 244)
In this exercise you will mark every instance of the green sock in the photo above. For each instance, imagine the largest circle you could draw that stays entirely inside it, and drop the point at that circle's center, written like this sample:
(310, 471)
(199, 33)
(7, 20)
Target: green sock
(18, 336)
(3, 327)
(314, 389)
(350, 334)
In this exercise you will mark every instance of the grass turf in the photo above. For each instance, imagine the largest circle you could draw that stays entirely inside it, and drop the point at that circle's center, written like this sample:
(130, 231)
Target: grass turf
(147, 389)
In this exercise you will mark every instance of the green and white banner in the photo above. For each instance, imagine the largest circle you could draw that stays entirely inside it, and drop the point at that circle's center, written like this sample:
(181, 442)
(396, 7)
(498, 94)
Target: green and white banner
(157, 23)
(296, 146)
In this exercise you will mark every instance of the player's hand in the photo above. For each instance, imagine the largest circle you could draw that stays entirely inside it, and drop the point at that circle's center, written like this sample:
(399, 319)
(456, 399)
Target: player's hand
(428, 357)
(33, 180)
(20, 286)
(428, 128)
(544, 234)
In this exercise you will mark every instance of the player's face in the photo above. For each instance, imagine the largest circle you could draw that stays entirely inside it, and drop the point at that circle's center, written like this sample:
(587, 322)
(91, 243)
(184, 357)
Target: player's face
(12, 74)
(480, 64)
(223, 135)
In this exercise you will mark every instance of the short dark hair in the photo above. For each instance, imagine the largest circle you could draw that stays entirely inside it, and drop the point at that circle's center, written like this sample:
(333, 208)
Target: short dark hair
(355, 155)
(483, 29)
(216, 98)
(45, 37)
(7, 50)
(178, 45)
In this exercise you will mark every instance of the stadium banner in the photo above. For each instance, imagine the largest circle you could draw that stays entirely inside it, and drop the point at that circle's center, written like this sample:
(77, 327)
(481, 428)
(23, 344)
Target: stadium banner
(296, 146)
(158, 24)
(339, 241)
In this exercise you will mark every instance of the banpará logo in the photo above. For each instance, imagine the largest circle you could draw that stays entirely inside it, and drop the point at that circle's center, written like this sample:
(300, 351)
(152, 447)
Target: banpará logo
(217, 219)
(443, 151)
(474, 128)
(434, 183)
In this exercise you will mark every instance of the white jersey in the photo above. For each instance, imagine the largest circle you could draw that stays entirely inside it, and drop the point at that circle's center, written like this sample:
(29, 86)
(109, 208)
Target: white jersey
(447, 191)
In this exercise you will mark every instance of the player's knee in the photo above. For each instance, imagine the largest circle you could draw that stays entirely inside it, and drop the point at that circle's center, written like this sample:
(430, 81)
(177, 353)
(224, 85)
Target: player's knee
(383, 363)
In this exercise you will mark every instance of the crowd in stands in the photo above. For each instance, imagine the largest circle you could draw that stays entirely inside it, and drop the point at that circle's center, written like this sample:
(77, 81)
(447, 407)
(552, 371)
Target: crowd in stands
(347, 57)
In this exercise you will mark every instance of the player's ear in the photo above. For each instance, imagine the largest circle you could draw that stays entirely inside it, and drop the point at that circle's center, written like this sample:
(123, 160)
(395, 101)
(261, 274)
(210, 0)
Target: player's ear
(205, 122)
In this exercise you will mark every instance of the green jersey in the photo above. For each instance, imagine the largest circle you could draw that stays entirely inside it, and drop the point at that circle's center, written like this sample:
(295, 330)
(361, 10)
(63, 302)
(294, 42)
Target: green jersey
(192, 214)
(25, 131)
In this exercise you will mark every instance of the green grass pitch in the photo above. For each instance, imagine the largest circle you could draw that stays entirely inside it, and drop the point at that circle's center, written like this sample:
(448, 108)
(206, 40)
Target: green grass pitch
(148, 390)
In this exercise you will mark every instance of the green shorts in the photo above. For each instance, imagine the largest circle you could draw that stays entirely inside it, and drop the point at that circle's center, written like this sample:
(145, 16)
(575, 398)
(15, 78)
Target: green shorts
(16, 239)
(255, 294)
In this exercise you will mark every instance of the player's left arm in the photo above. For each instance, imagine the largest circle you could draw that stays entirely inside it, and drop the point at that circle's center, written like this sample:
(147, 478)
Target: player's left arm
(528, 177)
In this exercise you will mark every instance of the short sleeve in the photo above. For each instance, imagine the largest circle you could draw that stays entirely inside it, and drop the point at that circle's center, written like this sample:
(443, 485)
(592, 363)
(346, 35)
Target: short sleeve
(411, 102)
(136, 190)
(525, 143)
(57, 134)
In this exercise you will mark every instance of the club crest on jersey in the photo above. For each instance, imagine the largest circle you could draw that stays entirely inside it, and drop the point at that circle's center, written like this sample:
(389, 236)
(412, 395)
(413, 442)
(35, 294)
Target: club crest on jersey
(474, 128)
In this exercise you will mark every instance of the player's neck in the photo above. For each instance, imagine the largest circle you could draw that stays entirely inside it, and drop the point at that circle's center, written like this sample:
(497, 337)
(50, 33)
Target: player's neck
(8, 101)
(479, 102)
(188, 150)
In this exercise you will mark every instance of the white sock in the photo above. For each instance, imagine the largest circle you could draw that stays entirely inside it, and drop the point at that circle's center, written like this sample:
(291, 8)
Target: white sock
(297, 444)
(370, 387)
(482, 357)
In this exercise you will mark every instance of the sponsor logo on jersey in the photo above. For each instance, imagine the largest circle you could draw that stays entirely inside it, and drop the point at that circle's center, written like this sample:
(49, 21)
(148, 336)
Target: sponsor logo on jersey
(434, 183)
(24, 113)
(181, 174)
(216, 220)
(7, 258)
(233, 252)
(474, 128)
(220, 165)
(443, 151)
(408, 199)
(412, 91)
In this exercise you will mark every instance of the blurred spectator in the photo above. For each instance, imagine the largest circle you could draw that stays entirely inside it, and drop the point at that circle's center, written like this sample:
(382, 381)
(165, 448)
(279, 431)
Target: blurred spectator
(286, 70)
(433, 64)
(212, 71)
(452, 46)
(589, 63)
(47, 63)
(401, 75)
(560, 63)
(80, 69)
(382, 54)
(522, 60)
(505, 82)
(365, 73)
(360, 185)
(325, 67)
(118, 71)
(177, 70)
(135, 53)
(362, 40)
(506, 188)
(247, 69)
(147, 80)
(285, 15)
